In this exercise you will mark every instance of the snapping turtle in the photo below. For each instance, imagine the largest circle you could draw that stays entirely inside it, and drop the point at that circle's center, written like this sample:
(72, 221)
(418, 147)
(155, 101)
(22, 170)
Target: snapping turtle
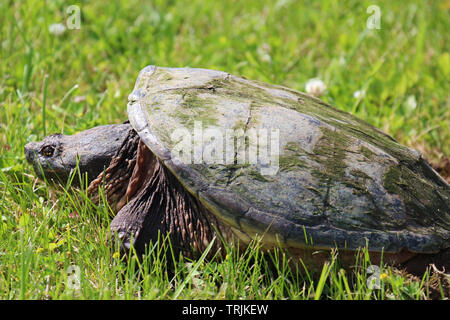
(207, 152)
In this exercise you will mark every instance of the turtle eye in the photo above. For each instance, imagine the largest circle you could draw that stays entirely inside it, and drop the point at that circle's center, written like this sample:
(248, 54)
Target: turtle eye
(48, 151)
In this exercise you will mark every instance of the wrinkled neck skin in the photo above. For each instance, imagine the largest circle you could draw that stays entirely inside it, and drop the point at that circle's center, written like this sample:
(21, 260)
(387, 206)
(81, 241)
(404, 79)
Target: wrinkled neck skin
(151, 204)
(57, 156)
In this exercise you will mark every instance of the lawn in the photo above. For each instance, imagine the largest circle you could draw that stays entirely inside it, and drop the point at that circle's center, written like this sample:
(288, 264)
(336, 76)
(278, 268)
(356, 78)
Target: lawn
(66, 82)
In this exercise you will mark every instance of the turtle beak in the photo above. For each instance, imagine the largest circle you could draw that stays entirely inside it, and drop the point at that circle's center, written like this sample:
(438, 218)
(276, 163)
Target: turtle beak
(30, 150)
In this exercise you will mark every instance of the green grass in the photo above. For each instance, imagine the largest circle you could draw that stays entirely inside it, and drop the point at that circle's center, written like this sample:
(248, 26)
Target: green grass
(80, 79)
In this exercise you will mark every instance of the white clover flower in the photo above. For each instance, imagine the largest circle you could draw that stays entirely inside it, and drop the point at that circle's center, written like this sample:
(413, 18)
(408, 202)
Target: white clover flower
(57, 29)
(359, 94)
(79, 99)
(411, 103)
(315, 87)
(266, 58)
(263, 52)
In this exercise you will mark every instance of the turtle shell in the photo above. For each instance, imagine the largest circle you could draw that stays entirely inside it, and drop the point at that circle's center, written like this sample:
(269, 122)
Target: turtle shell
(270, 160)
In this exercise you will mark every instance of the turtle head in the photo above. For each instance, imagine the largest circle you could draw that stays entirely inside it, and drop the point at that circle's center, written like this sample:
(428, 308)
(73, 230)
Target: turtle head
(58, 155)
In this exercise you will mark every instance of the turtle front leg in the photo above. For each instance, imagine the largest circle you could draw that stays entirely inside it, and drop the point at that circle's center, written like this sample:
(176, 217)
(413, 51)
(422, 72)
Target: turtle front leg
(156, 206)
(115, 179)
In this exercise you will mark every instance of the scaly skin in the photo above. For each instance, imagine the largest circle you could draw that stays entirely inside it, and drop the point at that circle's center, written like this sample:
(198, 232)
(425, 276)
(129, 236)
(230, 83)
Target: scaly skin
(57, 155)
(145, 196)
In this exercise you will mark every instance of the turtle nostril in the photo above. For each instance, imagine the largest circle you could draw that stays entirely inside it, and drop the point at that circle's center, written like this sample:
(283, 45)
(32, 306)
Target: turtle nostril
(29, 154)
